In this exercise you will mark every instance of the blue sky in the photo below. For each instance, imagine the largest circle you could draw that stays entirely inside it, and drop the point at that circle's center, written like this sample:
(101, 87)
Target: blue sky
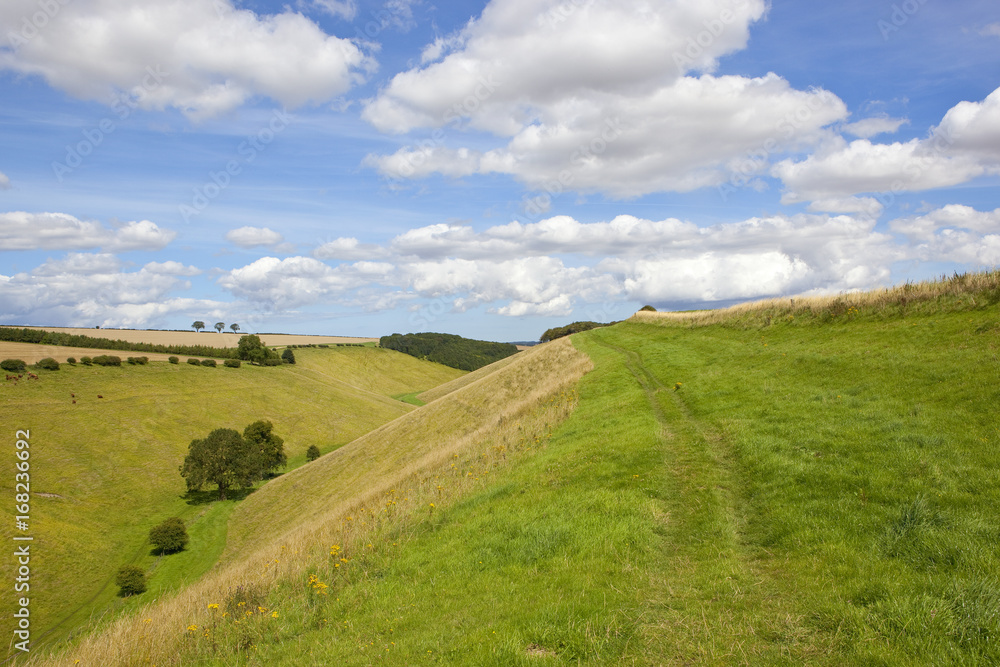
(490, 169)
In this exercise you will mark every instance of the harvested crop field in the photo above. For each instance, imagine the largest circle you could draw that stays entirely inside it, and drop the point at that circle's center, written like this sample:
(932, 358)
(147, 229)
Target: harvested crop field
(208, 337)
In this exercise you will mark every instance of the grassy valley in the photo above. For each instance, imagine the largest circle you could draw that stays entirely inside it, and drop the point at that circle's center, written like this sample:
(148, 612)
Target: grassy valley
(793, 482)
(107, 442)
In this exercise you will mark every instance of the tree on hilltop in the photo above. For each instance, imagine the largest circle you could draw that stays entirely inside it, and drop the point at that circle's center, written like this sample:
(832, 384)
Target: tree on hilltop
(250, 348)
(219, 326)
(197, 325)
(235, 327)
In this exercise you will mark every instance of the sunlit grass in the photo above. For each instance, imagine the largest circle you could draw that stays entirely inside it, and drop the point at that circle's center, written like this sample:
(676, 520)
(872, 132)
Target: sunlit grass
(104, 470)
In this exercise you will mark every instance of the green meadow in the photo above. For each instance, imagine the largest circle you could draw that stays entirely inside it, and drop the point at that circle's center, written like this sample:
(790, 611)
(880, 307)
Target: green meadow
(803, 493)
(806, 483)
(105, 470)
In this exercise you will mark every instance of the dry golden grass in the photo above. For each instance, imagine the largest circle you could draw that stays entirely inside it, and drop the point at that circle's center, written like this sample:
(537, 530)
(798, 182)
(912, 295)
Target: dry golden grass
(984, 286)
(208, 337)
(31, 353)
(341, 498)
(467, 379)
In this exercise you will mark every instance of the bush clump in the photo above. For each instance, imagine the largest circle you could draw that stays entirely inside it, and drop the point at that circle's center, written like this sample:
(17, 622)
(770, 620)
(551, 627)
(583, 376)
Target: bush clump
(231, 363)
(48, 364)
(71, 361)
(131, 580)
(288, 356)
(107, 360)
(209, 362)
(271, 362)
(648, 309)
(312, 453)
(13, 365)
(138, 361)
(193, 361)
(174, 360)
(170, 536)
(86, 361)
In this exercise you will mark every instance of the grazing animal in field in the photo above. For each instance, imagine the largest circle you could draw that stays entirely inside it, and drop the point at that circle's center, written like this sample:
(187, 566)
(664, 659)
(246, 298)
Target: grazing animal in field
(74, 402)
(99, 396)
(72, 395)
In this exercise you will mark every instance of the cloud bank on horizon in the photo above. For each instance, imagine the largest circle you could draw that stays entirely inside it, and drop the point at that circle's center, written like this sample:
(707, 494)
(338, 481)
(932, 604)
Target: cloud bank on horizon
(492, 169)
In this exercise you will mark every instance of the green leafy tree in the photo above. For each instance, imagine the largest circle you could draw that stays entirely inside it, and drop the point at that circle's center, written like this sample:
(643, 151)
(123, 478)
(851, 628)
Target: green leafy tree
(235, 327)
(267, 447)
(198, 325)
(224, 459)
(170, 536)
(312, 453)
(131, 580)
(250, 348)
(219, 326)
(288, 356)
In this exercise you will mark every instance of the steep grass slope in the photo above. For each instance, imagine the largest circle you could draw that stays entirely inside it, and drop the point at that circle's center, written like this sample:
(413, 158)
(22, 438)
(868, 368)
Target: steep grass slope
(347, 496)
(106, 444)
(816, 489)
(461, 381)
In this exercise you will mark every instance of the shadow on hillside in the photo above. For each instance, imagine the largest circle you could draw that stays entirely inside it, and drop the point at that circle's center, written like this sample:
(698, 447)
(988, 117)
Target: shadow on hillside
(212, 495)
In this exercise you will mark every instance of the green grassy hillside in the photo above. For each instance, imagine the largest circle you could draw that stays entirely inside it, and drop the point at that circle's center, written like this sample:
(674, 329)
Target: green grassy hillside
(105, 470)
(795, 484)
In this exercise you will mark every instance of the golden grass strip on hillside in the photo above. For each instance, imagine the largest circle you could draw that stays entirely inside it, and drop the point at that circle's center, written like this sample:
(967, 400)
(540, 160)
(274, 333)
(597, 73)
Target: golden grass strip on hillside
(288, 526)
(465, 380)
(967, 290)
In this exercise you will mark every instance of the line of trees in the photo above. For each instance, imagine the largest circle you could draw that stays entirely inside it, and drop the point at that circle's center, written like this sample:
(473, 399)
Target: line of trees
(463, 353)
(39, 336)
(198, 325)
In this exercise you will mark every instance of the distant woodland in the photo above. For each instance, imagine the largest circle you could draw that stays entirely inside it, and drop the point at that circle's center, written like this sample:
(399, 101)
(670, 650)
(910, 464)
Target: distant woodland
(462, 353)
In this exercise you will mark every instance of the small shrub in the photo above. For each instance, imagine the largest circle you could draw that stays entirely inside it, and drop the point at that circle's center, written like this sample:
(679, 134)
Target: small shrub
(13, 365)
(107, 360)
(231, 363)
(649, 309)
(131, 580)
(48, 363)
(312, 453)
(86, 361)
(271, 362)
(131, 361)
(170, 536)
(209, 362)
(71, 361)
(174, 360)
(193, 361)
(288, 356)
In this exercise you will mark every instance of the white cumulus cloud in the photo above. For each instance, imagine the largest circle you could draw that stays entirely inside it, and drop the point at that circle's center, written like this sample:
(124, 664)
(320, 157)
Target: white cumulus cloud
(203, 58)
(250, 237)
(965, 145)
(60, 231)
